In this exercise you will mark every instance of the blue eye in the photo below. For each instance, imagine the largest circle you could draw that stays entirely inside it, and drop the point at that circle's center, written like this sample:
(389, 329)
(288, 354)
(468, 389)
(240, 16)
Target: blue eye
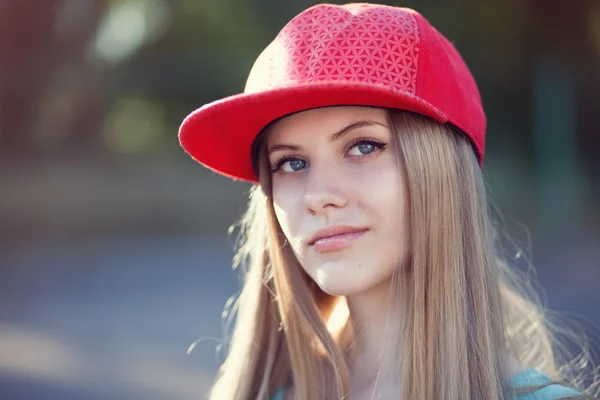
(289, 165)
(363, 148)
(294, 165)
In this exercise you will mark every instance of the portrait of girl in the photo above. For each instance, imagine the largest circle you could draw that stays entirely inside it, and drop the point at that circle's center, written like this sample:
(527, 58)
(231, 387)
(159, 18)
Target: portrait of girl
(371, 267)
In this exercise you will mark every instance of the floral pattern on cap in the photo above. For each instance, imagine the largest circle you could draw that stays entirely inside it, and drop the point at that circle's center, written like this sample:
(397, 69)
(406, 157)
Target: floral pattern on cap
(353, 43)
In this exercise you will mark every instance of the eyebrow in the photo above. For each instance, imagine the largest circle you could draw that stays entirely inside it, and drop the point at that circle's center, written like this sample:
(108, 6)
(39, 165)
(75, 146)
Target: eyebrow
(334, 137)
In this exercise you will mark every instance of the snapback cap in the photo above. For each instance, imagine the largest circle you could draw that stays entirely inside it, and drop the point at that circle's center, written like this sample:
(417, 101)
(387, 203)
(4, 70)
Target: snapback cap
(354, 54)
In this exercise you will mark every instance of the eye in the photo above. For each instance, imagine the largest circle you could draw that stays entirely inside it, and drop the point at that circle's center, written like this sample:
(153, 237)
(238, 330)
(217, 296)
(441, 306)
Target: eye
(289, 165)
(361, 148)
(364, 147)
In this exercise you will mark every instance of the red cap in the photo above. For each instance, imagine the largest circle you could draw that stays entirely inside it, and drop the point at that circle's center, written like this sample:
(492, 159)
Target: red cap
(355, 54)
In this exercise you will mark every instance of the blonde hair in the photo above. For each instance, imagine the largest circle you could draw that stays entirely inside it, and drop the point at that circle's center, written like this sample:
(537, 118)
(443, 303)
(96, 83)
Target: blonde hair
(468, 312)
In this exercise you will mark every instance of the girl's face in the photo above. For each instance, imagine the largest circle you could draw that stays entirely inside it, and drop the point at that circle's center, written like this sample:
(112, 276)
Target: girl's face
(336, 178)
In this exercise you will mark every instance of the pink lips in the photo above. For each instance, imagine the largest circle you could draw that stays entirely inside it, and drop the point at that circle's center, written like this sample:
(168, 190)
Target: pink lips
(335, 238)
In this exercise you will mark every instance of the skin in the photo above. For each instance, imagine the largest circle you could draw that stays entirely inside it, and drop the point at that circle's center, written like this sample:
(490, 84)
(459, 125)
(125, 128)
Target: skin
(324, 181)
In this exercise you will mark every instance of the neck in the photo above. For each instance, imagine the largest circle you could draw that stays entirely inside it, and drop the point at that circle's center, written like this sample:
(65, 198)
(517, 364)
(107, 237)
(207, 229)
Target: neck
(377, 318)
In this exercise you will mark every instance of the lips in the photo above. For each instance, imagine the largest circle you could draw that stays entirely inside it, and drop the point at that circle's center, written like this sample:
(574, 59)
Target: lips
(335, 238)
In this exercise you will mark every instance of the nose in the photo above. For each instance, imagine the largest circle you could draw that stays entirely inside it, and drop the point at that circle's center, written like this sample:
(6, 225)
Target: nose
(323, 193)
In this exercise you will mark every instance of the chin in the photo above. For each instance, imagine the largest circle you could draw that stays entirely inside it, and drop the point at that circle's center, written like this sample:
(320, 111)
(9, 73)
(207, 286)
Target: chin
(340, 286)
(347, 276)
(336, 290)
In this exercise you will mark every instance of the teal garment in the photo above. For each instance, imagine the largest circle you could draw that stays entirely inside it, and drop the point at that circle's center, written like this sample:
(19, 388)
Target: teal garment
(533, 377)
(530, 377)
(278, 395)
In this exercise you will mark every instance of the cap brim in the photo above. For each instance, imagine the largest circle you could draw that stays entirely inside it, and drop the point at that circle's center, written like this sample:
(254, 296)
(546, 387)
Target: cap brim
(220, 134)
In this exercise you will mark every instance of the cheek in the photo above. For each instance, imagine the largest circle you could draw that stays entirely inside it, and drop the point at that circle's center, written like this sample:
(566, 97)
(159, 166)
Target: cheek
(392, 205)
(396, 227)
(288, 209)
(282, 217)
(381, 187)
(384, 195)
(391, 199)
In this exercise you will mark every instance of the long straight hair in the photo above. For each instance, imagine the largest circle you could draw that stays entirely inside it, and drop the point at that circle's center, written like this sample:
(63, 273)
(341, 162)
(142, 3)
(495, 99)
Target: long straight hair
(468, 313)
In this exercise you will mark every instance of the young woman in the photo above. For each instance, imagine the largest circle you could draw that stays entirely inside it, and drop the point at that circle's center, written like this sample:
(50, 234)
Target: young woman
(369, 260)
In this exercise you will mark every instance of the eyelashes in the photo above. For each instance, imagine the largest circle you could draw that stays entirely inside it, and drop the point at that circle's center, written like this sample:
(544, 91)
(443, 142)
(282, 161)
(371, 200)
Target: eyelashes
(281, 161)
(375, 147)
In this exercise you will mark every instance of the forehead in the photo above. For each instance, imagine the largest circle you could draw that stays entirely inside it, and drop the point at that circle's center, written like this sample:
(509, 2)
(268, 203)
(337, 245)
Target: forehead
(325, 120)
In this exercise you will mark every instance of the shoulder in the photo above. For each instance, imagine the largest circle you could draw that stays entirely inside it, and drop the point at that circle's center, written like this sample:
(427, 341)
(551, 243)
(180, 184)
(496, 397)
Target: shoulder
(523, 379)
(532, 377)
(285, 393)
(278, 395)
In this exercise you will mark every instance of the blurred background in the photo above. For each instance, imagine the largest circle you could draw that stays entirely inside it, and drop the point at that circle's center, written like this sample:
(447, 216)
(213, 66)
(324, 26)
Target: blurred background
(114, 253)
